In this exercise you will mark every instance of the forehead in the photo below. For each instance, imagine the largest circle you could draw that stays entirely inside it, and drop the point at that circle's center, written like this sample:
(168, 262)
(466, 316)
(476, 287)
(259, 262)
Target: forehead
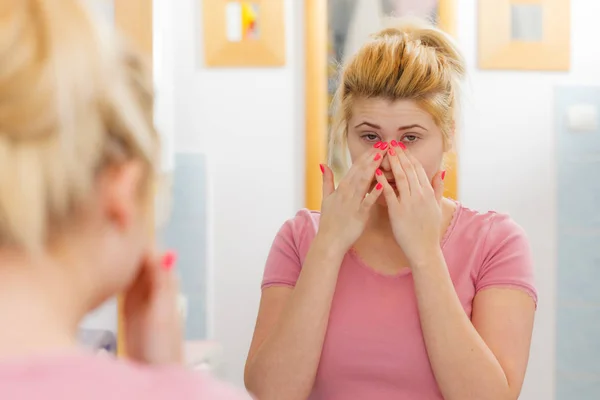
(385, 111)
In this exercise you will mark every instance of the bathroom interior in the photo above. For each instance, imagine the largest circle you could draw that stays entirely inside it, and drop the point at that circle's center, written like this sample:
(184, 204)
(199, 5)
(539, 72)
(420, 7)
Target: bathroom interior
(243, 90)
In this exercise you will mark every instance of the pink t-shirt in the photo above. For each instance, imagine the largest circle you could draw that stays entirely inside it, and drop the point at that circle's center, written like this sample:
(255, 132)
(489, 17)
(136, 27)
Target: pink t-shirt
(374, 346)
(92, 377)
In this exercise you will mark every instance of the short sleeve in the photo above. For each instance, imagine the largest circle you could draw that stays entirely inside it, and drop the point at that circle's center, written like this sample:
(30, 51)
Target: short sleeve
(507, 260)
(287, 252)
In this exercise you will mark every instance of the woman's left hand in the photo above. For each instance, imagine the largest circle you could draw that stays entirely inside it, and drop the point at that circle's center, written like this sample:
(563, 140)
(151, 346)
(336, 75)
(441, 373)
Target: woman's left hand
(415, 212)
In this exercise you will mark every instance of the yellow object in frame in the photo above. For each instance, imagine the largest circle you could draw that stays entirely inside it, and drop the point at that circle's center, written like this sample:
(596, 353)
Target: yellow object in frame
(249, 19)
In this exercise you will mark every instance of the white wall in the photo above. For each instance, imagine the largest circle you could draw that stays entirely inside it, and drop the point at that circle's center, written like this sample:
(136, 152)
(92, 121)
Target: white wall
(508, 159)
(250, 123)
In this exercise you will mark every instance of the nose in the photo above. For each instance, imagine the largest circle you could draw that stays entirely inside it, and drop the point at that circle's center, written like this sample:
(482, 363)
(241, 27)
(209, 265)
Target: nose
(385, 164)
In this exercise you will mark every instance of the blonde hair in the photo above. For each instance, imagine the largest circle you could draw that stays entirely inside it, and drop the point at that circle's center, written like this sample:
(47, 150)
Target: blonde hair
(73, 100)
(414, 61)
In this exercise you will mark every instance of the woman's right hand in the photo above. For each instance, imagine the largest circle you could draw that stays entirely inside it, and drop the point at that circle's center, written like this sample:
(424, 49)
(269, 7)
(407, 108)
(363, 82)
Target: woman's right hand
(345, 210)
(153, 323)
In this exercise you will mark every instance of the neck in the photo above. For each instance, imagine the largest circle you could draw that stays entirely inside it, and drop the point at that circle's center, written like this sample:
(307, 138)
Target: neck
(39, 304)
(379, 221)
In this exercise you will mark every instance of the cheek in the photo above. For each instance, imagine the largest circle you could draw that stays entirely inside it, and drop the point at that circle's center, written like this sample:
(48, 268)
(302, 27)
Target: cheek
(431, 161)
(356, 148)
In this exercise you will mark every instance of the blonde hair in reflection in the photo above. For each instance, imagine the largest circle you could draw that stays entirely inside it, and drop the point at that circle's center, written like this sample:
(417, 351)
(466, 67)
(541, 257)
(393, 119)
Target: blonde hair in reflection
(413, 60)
(73, 100)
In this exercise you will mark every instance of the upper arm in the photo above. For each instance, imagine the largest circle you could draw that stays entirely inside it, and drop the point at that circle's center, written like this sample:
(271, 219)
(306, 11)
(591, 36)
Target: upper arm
(272, 302)
(280, 275)
(504, 319)
(506, 299)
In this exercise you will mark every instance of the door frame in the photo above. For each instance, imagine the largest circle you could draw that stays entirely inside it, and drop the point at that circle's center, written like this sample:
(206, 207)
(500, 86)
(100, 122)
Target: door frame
(134, 19)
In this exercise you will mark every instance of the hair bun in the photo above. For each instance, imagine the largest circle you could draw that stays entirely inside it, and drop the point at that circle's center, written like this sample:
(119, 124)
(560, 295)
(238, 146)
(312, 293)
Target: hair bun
(423, 32)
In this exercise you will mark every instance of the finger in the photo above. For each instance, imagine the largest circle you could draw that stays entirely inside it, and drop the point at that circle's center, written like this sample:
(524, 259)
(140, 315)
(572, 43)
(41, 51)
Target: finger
(420, 171)
(399, 174)
(368, 160)
(388, 190)
(167, 280)
(141, 286)
(359, 178)
(328, 183)
(438, 185)
(166, 290)
(409, 170)
(372, 198)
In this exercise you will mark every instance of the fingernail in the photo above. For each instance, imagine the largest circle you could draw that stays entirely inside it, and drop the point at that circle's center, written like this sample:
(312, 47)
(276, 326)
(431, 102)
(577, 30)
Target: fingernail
(392, 152)
(443, 174)
(402, 146)
(384, 146)
(378, 172)
(168, 260)
(377, 157)
(379, 186)
(322, 168)
(393, 143)
(377, 145)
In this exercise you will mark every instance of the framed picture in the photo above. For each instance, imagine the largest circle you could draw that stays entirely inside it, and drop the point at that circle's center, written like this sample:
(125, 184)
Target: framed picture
(243, 33)
(336, 29)
(524, 34)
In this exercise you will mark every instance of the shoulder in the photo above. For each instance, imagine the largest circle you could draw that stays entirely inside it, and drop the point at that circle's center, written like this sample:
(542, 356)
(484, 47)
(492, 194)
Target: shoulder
(177, 382)
(490, 236)
(198, 384)
(486, 227)
(289, 249)
(300, 229)
(305, 221)
(106, 377)
(499, 248)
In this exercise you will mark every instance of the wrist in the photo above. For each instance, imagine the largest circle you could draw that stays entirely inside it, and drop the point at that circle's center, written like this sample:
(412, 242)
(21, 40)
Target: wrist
(329, 247)
(427, 257)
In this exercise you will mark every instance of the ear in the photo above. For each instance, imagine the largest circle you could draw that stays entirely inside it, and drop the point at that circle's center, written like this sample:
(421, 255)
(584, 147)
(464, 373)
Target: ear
(449, 144)
(120, 192)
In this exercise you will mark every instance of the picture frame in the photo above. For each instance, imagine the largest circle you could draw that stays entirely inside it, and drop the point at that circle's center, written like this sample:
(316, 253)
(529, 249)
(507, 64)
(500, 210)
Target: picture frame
(530, 35)
(243, 33)
(319, 88)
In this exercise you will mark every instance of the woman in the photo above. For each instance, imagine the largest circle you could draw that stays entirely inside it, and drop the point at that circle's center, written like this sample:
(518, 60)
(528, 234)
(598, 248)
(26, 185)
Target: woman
(78, 153)
(392, 291)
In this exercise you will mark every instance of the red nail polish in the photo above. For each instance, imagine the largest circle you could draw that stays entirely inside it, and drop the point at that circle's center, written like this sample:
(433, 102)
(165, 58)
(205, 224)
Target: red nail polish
(384, 146)
(392, 152)
(379, 186)
(377, 157)
(402, 146)
(168, 260)
(322, 168)
(377, 145)
(393, 143)
(443, 174)
(378, 172)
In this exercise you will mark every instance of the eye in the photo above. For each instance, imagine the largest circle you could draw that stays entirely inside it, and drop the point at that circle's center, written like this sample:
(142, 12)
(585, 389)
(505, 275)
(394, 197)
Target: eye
(370, 137)
(410, 138)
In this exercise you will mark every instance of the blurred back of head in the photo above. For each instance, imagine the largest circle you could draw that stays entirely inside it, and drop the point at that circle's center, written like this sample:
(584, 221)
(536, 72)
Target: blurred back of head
(73, 102)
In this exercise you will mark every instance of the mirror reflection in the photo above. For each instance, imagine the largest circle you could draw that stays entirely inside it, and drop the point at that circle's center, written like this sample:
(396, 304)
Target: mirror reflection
(325, 199)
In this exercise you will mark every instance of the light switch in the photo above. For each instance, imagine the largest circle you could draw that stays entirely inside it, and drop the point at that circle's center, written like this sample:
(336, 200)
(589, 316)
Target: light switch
(582, 118)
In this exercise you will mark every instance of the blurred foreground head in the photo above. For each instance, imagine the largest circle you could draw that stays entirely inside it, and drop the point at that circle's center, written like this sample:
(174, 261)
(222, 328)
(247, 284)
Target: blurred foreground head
(78, 147)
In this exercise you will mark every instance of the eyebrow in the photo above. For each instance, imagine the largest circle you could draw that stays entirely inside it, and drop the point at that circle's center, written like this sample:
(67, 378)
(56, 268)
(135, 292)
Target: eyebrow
(402, 128)
(368, 124)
